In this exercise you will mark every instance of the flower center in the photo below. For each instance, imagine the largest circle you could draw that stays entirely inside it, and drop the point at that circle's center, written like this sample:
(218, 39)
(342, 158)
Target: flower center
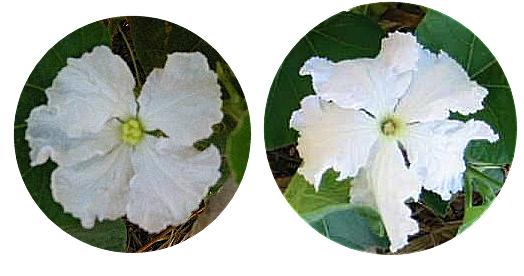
(132, 131)
(388, 127)
(392, 126)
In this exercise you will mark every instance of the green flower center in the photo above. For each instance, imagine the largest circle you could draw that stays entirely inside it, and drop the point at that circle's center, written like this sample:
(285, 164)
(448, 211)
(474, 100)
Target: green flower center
(132, 131)
(392, 126)
(388, 127)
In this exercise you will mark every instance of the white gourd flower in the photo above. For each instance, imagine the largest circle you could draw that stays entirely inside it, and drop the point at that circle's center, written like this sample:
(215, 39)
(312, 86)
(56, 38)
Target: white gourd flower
(367, 112)
(108, 166)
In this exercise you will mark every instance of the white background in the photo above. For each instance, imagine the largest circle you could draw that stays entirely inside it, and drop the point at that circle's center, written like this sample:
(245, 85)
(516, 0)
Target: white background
(258, 233)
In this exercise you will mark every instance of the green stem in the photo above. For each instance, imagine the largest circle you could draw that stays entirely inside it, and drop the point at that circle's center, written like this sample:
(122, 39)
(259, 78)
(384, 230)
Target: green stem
(481, 176)
(483, 165)
(468, 192)
(35, 87)
(22, 125)
(133, 59)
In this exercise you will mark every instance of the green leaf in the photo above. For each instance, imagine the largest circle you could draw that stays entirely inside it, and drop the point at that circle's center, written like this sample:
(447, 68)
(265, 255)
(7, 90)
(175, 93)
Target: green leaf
(237, 149)
(434, 202)
(439, 32)
(471, 215)
(109, 235)
(343, 36)
(483, 183)
(373, 11)
(304, 199)
(219, 138)
(352, 226)
(154, 39)
(234, 104)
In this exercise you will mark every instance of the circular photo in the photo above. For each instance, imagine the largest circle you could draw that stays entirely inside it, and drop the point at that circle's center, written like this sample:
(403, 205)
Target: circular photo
(132, 134)
(390, 128)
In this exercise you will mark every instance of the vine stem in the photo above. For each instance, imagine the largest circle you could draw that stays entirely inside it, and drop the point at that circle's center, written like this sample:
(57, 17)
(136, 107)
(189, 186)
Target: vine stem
(468, 192)
(133, 59)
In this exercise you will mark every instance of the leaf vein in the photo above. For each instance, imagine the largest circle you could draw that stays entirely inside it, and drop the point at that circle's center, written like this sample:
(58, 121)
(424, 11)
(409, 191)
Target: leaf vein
(338, 40)
(484, 68)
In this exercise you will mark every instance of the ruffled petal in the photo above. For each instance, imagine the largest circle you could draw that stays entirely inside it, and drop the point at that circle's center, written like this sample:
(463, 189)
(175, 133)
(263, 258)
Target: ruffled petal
(436, 152)
(97, 188)
(440, 85)
(90, 90)
(182, 99)
(399, 53)
(78, 121)
(385, 184)
(332, 137)
(170, 183)
(371, 84)
(47, 138)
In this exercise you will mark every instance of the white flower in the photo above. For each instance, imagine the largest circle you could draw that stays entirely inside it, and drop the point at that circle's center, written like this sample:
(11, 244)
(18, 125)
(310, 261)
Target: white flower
(368, 113)
(109, 164)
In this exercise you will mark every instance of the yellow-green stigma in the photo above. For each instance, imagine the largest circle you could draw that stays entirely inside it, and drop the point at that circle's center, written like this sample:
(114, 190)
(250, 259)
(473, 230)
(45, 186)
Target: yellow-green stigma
(392, 127)
(132, 132)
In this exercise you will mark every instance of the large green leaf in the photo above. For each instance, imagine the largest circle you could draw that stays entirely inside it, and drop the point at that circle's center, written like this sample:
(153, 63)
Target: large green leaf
(109, 235)
(439, 32)
(237, 149)
(352, 226)
(154, 39)
(304, 199)
(343, 36)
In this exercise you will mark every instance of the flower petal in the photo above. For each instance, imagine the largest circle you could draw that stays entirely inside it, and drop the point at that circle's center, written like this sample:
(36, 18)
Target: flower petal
(170, 183)
(371, 84)
(78, 121)
(47, 138)
(400, 52)
(90, 90)
(182, 99)
(440, 85)
(332, 137)
(436, 152)
(385, 184)
(94, 189)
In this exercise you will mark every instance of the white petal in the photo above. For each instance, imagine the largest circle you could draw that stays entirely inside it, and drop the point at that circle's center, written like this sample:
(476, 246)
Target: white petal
(90, 90)
(385, 184)
(436, 152)
(321, 70)
(48, 139)
(371, 84)
(400, 52)
(182, 99)
(169, 183)
(78, 121)
(440, 85)
(332, 137)
(95, 189)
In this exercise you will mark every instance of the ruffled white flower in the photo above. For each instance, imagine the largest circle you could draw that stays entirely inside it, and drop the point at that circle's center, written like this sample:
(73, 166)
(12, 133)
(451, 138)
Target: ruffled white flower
(109, 164)
(384, 121)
